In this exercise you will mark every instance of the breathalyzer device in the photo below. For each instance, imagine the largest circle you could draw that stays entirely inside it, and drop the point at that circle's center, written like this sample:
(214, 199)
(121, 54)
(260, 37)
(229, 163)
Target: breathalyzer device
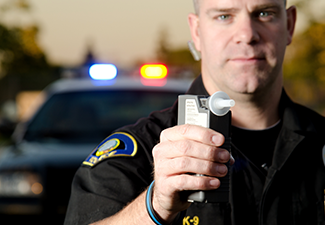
(211, 112)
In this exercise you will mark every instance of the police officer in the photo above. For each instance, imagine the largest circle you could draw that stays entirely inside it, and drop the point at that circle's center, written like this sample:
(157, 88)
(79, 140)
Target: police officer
(277, 174)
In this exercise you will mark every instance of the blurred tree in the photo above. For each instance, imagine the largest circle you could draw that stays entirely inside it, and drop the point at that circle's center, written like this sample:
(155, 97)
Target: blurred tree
(304, 67)
(179, 60)
(23, 64)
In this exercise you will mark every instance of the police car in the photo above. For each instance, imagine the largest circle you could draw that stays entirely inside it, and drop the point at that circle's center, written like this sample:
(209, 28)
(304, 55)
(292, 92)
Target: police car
(36, 172)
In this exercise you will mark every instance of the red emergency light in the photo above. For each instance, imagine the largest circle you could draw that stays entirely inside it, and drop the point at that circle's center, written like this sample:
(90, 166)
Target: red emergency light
(154, 71)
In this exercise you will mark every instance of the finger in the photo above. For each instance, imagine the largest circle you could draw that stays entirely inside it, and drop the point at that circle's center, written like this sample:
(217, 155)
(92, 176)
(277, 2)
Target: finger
(185, 165)
(189, 182)
(190, 149)
(192, 132)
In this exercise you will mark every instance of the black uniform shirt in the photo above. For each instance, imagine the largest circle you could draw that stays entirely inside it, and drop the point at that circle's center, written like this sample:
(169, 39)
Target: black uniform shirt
(120, 168)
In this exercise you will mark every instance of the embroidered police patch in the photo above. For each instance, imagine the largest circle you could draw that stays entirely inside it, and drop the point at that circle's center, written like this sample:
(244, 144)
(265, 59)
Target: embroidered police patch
(118, 144)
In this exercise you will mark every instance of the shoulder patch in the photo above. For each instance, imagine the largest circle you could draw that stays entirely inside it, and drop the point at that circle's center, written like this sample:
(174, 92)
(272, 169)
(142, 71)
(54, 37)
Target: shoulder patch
(117, 144)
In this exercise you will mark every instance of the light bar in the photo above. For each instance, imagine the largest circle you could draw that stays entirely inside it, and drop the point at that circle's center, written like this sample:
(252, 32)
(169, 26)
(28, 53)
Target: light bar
(103, 71)
(154, 71)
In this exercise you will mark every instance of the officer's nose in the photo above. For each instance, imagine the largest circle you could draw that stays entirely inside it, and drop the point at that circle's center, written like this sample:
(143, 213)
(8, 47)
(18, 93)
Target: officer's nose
(246, 31)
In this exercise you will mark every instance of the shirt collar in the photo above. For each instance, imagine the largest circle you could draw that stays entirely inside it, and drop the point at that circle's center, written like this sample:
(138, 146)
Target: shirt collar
(197, 87)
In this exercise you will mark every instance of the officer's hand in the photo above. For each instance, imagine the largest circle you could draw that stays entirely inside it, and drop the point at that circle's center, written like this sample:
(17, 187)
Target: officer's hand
(182, 150)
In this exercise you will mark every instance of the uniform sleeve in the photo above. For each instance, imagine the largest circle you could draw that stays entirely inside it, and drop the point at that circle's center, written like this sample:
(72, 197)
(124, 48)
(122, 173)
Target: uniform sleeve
(104, 188)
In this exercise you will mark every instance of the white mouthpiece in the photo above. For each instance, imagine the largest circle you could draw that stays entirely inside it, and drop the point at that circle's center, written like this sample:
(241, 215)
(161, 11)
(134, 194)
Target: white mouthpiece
(223, 103)
(219, 103)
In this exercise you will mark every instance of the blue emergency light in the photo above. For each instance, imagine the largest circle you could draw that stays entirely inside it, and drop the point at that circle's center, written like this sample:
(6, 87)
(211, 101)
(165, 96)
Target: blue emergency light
(103, 71)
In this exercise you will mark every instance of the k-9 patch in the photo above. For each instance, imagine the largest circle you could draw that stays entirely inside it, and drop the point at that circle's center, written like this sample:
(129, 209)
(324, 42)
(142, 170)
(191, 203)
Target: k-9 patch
(118, 144)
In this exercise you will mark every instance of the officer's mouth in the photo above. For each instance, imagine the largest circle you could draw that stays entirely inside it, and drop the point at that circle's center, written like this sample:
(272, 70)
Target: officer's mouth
(248, 60)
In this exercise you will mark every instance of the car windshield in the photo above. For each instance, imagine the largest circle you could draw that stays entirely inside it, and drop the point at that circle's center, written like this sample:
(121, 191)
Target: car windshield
(88, 117)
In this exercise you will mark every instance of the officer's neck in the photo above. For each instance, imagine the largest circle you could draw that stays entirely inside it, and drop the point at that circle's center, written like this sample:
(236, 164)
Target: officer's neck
(257, 113)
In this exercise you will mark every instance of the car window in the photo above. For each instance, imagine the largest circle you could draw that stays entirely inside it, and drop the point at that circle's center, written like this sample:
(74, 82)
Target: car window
(91, 116)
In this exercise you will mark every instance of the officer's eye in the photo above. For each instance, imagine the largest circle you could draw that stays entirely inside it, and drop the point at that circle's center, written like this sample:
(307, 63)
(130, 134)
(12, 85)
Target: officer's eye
(223, 17)
(266, 15)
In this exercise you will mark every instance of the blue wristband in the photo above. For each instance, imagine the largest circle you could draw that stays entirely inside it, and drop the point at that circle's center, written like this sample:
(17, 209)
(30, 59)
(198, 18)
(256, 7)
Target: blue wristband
(154, 217)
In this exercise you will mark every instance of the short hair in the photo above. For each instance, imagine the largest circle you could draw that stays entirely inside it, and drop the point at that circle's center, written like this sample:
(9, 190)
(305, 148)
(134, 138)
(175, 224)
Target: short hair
(197, 5)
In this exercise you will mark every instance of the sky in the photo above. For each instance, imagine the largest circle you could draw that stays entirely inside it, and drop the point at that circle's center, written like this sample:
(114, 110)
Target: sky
(118, 31)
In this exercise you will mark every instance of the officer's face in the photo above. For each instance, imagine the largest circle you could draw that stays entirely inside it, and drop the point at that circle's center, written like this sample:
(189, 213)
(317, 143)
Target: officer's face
(242, 43)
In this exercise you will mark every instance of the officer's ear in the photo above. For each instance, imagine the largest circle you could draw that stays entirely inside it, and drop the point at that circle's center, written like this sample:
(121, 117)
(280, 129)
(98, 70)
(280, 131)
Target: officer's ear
(291, 22)
(193, 21)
